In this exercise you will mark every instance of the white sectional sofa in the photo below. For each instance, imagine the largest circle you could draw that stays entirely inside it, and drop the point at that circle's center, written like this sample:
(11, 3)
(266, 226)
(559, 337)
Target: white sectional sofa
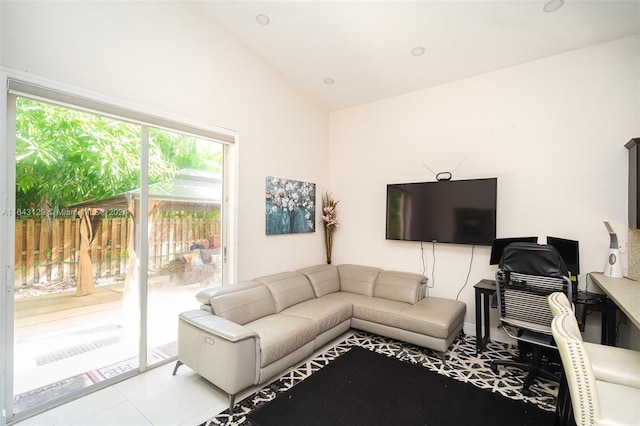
(247, 333)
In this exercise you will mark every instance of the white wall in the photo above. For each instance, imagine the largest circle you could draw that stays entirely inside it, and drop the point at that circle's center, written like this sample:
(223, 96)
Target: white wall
(168, 56)
(552, 131)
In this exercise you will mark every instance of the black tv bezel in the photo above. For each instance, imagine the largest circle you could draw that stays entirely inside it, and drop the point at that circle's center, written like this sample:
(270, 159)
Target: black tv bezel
(488, 242)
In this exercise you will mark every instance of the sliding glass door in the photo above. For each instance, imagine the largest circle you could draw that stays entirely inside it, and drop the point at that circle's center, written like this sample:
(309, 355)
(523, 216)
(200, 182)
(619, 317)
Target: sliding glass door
(116, 224)
(184, 241)
(70, 251)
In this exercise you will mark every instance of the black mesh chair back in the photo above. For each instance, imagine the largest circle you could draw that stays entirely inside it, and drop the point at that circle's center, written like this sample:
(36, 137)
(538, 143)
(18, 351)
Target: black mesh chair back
(528, 273)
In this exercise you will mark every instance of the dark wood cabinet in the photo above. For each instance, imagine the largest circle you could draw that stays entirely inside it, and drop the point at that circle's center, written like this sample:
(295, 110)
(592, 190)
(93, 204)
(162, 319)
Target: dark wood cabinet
(634, 183)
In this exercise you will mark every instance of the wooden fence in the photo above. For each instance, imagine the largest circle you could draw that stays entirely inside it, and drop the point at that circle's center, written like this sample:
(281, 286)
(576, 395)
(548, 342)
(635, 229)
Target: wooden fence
(47, 250)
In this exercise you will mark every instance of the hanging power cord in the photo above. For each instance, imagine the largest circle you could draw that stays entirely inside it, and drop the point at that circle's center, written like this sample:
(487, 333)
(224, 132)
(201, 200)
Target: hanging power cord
(424, 265)
(468, 273)
(433, 266)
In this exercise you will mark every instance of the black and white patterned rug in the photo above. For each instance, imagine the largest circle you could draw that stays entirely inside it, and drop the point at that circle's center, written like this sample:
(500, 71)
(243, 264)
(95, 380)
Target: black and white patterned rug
(462, 364)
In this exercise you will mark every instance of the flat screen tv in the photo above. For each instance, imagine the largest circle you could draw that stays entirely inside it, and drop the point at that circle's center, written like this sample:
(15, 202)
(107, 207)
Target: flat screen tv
(458, 212)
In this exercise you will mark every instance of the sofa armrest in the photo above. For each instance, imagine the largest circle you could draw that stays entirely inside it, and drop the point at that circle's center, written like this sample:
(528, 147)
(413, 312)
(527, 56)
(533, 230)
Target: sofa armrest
(221, 351)
(217, 326)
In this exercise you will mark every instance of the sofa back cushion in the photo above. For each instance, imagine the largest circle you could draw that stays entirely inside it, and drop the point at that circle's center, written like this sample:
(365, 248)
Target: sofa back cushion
(400, 286)
(241, 303)
(287, 288)
(324, 279)
(358, 279)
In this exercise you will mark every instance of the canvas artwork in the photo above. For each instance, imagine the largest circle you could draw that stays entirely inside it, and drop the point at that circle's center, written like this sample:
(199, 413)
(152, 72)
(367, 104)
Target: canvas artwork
(290, 206)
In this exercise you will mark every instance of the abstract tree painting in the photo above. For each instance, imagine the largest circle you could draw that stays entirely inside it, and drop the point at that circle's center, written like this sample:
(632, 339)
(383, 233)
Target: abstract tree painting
(290, 206)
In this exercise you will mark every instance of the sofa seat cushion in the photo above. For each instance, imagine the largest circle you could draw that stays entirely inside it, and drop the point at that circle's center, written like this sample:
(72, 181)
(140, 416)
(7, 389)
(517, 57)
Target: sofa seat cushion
(287, 288)
(281, 335)
(343, 296)
(379, 310)
(433, 316)
(326, 313)
(614, 365)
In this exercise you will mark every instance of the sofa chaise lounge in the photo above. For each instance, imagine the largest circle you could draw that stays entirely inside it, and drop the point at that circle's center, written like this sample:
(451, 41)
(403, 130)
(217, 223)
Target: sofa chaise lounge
(247, 333)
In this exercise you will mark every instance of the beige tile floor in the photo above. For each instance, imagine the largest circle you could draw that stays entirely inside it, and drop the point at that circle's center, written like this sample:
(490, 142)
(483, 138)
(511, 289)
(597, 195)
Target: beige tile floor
(155, 397)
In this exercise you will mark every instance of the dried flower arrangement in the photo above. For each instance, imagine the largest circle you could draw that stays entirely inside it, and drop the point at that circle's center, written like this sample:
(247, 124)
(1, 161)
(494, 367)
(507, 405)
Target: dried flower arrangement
(330, 221)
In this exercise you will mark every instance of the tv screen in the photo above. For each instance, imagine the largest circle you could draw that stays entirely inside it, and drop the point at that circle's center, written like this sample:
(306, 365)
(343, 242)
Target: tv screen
(459, 212)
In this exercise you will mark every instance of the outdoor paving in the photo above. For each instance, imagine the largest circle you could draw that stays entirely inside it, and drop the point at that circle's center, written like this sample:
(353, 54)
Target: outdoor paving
(61, 335)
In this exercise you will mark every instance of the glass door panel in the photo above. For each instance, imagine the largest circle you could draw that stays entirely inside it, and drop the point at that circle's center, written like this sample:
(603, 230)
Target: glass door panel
(184, 242)
(76, 320)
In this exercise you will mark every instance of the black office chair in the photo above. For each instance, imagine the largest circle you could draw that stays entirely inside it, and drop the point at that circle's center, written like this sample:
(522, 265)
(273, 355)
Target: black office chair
(528, 273)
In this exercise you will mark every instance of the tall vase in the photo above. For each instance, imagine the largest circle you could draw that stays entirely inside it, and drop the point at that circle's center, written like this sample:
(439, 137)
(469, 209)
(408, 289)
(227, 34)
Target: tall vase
(328, 241)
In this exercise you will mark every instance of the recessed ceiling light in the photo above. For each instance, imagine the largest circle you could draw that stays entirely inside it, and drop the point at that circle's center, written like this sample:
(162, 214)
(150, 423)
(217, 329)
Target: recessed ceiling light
(262, 19)
(329, 80)
(553, 5)
(417, 51)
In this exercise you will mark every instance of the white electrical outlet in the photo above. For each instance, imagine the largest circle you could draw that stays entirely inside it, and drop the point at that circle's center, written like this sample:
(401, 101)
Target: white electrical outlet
(430, 291)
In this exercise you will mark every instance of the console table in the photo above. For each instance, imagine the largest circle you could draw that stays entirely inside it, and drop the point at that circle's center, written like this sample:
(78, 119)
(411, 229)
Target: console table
(485, 290)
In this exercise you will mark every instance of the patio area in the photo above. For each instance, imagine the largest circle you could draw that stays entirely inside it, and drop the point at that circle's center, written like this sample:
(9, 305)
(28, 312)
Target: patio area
(64, 343)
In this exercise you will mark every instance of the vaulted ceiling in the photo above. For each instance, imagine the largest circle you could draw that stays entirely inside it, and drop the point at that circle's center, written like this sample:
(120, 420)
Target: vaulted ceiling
(347, 53)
